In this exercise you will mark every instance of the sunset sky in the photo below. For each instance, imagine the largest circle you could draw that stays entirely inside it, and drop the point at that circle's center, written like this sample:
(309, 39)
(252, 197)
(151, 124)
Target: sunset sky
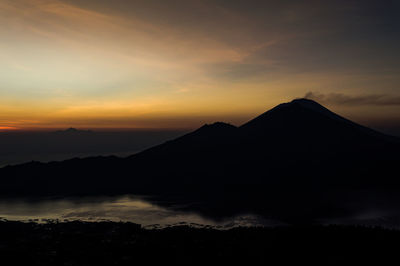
(180, 64)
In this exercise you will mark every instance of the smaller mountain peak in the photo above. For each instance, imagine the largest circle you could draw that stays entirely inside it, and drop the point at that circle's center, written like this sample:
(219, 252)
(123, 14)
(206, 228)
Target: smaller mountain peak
(218, 125)
(211, 131)
(73, 130)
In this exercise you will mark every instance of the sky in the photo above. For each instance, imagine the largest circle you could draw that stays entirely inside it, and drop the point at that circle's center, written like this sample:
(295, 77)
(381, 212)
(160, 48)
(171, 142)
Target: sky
(183, 63)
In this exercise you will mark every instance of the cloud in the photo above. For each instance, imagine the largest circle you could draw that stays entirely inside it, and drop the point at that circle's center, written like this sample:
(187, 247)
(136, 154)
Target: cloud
(101, 59)
(343, 99)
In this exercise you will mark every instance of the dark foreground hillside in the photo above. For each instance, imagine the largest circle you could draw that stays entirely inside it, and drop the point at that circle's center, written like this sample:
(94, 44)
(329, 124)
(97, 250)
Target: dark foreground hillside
(107, 243)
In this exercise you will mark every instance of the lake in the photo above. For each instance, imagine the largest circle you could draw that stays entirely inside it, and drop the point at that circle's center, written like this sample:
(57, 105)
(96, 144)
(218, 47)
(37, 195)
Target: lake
(144, 211)
(125, 208)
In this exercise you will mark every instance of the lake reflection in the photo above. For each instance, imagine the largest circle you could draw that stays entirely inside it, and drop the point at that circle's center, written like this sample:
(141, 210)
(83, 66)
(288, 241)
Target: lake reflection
(127, 209)
(145, 212)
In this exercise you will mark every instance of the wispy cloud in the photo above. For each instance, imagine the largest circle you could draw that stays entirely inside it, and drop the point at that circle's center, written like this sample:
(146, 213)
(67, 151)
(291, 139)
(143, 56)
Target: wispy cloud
(344, 99)
(101, 60)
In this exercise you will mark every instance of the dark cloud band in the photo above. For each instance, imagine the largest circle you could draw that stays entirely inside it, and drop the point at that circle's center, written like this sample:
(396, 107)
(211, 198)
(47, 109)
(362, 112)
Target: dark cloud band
(343, 99)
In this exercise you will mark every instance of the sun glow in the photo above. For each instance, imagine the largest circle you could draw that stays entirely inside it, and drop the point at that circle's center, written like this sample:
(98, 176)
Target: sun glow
(3, 128)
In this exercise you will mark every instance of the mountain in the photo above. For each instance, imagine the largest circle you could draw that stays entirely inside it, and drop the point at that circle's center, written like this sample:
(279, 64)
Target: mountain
(72, 130)
(305, 123)
(297, 161)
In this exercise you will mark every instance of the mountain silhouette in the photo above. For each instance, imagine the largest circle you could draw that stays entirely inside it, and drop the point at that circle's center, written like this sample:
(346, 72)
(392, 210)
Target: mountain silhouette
(297, 162)
(72, 130)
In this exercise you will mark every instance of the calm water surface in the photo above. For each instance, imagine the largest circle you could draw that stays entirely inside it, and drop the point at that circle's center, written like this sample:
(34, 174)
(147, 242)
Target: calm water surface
(139, 210)
(126, 208)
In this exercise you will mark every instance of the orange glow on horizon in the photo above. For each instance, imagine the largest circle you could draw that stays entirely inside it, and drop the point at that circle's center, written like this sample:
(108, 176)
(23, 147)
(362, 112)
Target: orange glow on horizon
(4, 128)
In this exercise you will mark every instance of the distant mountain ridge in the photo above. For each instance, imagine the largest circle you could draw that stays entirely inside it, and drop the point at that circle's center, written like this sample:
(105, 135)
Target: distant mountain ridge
(294, 161)
(72, 130)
